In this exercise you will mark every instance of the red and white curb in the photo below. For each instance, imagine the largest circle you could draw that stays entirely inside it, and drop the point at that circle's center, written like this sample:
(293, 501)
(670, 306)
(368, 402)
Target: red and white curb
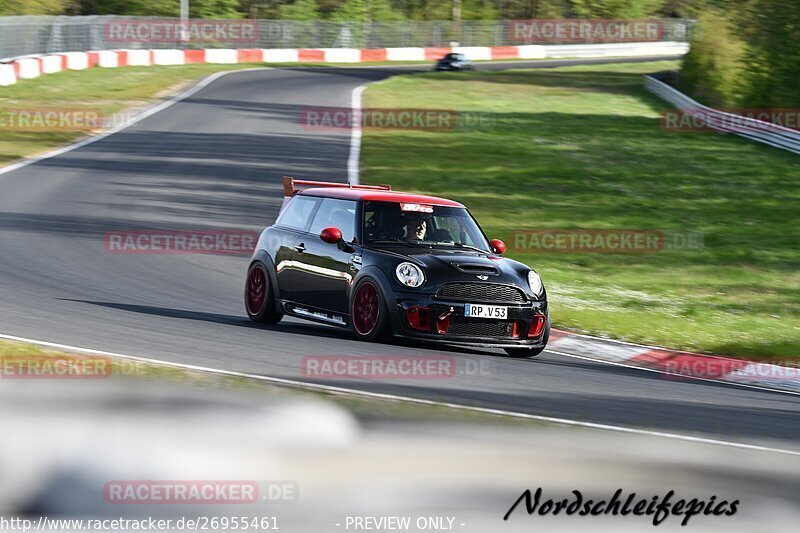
(38, 65)
(679, 365)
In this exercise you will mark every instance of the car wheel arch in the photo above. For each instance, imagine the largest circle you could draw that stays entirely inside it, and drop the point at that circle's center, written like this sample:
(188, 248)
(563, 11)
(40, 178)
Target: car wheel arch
(263, 257)
(383, 282)
(386, 291)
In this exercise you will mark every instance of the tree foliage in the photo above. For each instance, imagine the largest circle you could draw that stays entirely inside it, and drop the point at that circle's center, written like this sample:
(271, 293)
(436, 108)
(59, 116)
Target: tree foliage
(363, 9)
(712, 70)
(771, 29)
(300, 10)
(746, 55)
(161, 8)
(615, 8)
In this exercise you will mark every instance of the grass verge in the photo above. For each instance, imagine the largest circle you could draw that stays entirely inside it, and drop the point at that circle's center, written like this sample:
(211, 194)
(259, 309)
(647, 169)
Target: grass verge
(582, 148)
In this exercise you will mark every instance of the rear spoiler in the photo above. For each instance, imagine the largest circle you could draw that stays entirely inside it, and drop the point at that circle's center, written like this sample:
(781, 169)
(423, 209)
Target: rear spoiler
(292, 186)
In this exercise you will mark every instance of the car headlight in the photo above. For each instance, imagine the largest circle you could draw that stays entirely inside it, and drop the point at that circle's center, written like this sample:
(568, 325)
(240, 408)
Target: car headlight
(409, 275)
(535, 283)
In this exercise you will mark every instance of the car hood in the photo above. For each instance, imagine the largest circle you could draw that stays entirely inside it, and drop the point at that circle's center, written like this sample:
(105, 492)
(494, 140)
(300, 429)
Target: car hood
(447, 265)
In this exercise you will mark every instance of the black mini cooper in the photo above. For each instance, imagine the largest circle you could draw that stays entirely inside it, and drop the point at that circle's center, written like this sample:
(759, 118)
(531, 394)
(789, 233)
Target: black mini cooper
(389, 263)
(453, 61)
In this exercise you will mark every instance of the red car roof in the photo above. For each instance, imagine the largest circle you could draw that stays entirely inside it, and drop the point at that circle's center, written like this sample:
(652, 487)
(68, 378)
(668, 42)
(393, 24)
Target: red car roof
(379, 196)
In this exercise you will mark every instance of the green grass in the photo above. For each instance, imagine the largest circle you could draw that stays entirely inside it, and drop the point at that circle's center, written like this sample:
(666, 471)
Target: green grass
(110, 90)
(581, 147)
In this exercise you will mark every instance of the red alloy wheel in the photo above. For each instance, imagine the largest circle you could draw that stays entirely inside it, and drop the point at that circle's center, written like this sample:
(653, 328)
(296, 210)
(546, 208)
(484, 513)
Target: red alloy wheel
(256, 290)
(366, 308)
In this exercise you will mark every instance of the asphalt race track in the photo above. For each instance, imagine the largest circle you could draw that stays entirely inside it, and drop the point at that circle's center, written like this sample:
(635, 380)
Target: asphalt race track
(214, 161)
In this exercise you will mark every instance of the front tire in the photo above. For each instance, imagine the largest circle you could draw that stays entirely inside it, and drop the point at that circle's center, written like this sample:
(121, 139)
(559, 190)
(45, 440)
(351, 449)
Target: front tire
(259, 298)
(368, 311)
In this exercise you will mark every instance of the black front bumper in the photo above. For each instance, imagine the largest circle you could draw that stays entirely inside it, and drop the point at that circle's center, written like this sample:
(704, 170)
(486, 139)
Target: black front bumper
(466, 330)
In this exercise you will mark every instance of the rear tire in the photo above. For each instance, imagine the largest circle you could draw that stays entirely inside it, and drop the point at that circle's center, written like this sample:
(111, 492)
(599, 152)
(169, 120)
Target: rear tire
(530, 352)
(259, 298)
(368, 311)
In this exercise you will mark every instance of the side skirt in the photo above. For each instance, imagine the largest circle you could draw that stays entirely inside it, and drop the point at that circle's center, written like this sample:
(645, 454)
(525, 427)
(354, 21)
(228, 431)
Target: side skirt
(315, 314)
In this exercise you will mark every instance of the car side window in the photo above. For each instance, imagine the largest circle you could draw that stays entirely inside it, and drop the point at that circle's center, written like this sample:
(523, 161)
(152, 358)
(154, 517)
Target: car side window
(297, 212)
(335, 213)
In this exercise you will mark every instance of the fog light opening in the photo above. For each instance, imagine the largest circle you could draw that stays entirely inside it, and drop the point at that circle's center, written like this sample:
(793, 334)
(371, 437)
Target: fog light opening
(537, 326)
(443, 323)
(419, 318)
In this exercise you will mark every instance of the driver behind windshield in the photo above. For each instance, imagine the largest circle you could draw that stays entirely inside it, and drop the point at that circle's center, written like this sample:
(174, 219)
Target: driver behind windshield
(416, 229)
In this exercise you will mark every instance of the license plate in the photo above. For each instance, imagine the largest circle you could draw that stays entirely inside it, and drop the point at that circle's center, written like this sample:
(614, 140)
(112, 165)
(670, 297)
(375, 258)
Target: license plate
(499, 312)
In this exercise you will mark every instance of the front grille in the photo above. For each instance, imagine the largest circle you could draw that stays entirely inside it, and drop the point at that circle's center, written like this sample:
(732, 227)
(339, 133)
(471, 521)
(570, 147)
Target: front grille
(480, 292)
(475, 327)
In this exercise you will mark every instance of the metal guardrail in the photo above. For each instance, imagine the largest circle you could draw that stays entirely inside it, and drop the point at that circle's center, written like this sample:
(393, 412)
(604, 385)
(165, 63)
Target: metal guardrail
(724, 122)
(26, 35)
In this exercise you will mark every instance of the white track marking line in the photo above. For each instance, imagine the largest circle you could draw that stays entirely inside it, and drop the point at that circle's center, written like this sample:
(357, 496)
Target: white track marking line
(383, 396)
(143, 115)
(683, 377)
(355, 136)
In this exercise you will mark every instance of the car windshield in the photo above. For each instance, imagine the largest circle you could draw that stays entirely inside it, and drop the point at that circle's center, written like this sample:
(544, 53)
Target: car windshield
(422, 225)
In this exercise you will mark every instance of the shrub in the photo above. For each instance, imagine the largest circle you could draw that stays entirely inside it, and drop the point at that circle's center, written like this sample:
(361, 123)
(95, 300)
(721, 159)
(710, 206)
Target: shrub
(713, 70)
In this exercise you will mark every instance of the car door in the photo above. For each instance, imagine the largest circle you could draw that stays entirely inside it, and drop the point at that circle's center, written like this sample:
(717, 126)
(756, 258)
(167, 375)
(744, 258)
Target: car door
(290, 230)
(324, 272)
